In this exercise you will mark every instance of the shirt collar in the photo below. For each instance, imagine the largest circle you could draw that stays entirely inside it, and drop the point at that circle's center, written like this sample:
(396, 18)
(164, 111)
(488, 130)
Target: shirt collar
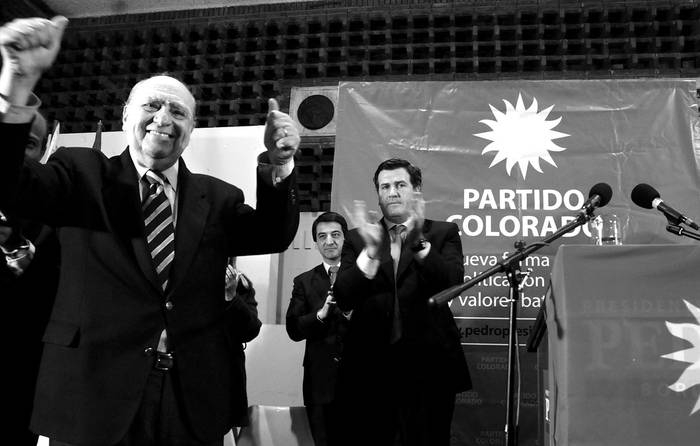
(408, 223)
(170, 173)
(327, 266)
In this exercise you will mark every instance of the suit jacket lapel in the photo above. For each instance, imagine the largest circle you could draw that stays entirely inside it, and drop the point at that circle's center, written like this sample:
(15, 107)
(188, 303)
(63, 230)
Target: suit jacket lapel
(121, 193)
(193, 210)
(321, 283)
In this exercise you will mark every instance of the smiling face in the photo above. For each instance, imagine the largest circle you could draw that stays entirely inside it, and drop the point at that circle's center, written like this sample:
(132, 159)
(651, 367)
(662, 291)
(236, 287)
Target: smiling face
(395, 192)
(158, 121)
(329, 241)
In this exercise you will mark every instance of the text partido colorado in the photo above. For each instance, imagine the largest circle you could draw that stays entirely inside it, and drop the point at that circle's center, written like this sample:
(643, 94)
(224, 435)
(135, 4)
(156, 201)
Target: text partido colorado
(523, 202)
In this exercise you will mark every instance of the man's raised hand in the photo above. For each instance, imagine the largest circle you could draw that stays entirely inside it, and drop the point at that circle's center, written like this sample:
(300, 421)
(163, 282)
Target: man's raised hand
(368, 226)
(281, 135)
(417, 211)
(28, 47)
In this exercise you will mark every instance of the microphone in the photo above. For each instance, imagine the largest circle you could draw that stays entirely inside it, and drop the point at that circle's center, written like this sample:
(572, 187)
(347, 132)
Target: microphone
(599, 196)
(647, 197)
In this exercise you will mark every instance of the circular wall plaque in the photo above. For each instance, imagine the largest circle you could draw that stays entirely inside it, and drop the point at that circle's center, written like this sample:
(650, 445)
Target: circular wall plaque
(315, 112)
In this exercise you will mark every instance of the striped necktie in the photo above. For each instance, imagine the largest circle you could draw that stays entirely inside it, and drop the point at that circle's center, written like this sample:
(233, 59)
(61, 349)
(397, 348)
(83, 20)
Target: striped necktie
(160, 231)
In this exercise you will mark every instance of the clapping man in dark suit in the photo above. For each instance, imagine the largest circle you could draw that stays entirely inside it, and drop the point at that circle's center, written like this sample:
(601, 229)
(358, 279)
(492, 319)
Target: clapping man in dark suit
(239, 291)
(405, 362)
(240, 294)
(141, 347)
(313, 315)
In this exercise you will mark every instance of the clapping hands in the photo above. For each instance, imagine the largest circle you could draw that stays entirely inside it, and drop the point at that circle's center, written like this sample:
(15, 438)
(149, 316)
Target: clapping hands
(368, 226)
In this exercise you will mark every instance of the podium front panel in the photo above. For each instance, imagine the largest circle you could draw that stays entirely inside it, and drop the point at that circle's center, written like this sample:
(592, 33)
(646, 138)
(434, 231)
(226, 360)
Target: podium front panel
(615, 315)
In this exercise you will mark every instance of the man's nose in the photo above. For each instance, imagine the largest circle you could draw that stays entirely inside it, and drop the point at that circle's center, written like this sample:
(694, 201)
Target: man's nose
(162, 116)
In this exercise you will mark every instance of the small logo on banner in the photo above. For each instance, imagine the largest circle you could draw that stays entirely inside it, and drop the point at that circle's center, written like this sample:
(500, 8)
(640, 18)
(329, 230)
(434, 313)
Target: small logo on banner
(691, 333)
(522, 136)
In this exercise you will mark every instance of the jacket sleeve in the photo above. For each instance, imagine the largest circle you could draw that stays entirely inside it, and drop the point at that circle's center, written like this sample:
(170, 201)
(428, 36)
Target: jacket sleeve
(56, 193)
(351, 285)
(272, 225)
(443, 267)
(14, 138)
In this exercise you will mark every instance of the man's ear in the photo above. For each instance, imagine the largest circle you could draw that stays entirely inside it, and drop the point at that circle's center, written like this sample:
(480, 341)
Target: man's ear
(124, 114)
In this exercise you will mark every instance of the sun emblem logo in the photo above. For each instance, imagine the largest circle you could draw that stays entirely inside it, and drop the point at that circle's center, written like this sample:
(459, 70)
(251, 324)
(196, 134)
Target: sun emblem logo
(691, 333)
(522, 136)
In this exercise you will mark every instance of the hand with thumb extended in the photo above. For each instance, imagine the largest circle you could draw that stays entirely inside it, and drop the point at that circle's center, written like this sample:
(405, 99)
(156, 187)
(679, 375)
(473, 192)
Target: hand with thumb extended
(281, 135)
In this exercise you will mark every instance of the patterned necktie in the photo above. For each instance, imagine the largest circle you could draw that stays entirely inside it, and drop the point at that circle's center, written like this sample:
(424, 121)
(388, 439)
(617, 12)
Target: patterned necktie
(332, 273)
(398, 233)
(160, 231)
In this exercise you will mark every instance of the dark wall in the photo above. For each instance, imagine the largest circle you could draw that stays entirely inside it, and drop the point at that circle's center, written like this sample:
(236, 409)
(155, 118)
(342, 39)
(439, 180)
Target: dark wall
(234, 58)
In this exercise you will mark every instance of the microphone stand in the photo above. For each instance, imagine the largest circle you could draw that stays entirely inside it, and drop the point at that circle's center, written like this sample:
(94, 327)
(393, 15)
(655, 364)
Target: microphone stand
(515, 276)
(681, 231)
(511, 266)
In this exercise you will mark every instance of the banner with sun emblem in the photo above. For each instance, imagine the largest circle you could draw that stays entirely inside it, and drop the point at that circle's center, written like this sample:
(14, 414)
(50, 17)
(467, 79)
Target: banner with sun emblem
(515, 160)
(624, 336)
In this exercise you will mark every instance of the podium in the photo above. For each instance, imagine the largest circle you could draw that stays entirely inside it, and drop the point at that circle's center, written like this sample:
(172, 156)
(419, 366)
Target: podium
(616, 316)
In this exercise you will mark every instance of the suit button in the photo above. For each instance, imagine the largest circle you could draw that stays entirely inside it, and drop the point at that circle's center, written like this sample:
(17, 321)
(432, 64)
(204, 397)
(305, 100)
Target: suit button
(149, 351)
(168, 305)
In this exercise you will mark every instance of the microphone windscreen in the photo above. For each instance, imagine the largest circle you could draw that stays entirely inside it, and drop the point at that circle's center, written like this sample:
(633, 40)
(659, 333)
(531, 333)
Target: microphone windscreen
(644, 195)
(604, 191)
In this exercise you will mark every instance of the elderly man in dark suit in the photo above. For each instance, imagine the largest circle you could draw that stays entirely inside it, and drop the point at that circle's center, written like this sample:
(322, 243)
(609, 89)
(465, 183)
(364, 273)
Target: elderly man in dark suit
(404, 362)
(141, 348)
(313, 315)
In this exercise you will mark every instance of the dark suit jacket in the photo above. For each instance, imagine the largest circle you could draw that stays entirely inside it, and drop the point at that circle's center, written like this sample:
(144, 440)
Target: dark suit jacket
(430, 342)
(27, 303)
(324, 340)
(244, 302)
(29, 296)
(109, 309)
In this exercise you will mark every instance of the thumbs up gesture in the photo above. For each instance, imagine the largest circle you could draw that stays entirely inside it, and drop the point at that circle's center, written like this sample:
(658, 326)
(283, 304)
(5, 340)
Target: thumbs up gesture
(281, 135)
